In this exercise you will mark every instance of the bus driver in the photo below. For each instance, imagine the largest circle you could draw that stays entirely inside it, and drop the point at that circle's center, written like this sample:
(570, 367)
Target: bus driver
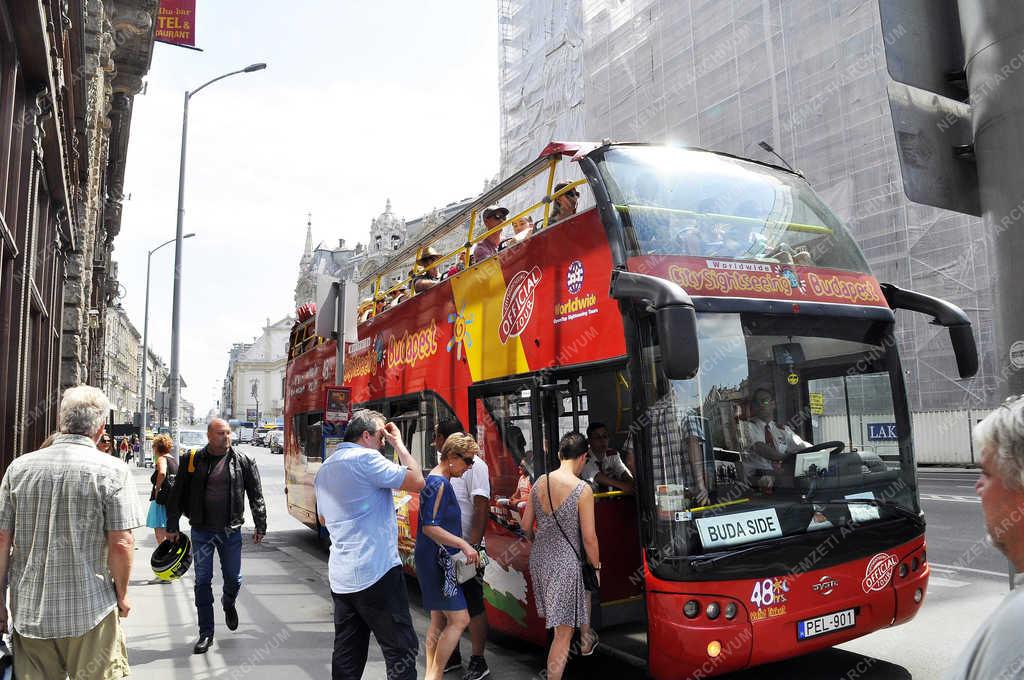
(766, 443)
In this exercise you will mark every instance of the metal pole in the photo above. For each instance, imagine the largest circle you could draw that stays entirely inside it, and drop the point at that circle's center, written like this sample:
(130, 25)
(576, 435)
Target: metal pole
(145, 365)
(176, 299)
(993, 45)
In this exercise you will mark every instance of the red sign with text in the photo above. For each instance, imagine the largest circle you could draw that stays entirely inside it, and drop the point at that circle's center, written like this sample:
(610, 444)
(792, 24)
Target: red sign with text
(722, 277)
(176, 23)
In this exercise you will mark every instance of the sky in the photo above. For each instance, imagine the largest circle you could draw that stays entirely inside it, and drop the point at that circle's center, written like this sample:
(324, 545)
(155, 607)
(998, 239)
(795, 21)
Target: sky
(360, 102)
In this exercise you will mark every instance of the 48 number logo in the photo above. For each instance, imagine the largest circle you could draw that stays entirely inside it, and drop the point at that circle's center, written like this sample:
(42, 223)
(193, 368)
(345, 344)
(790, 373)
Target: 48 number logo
(768, 592)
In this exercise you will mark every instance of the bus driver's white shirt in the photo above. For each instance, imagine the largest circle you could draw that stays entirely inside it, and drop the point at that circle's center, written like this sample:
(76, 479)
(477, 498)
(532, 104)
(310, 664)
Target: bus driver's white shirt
(752, 432)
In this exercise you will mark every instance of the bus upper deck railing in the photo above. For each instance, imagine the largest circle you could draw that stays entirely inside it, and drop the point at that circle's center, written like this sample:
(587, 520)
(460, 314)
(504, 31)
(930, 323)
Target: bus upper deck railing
(404, 288)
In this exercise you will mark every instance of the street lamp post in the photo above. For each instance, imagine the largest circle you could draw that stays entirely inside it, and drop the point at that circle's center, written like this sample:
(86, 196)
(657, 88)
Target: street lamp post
(174, 378)
(145, 351)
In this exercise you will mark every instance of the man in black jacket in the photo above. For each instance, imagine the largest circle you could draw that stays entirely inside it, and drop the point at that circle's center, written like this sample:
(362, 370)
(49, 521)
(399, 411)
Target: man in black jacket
(210, 490)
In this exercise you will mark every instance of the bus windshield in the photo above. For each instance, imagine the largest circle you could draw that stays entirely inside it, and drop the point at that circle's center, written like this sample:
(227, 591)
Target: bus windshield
(788, 428)
(676, 201)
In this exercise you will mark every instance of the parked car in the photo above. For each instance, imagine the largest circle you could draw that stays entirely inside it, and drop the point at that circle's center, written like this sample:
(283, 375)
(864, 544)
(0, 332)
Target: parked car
(275, 440)
(259, 438)
(190, 440)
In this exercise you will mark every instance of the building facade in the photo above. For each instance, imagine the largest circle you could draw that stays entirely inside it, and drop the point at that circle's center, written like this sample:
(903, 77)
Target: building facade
(258, 375)
(807, 77)
(157, 381)
(122, 373)
(68, 74)
(319, 267)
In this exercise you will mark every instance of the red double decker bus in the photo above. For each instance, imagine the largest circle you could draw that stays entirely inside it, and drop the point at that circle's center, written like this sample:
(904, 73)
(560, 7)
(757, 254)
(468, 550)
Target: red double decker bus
(723, 325)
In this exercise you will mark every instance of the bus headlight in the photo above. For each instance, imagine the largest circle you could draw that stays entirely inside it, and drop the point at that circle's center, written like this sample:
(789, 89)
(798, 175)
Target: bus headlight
(730, 610)
(691, 609)
(903, 570)
(714, 649)
(914, 564)
(712, 611)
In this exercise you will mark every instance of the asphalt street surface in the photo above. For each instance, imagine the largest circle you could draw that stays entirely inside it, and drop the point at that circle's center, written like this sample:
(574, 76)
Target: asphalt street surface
(289, 593)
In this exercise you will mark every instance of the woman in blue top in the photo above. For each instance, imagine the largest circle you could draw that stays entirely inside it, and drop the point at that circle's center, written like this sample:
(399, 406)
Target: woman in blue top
(438, 538)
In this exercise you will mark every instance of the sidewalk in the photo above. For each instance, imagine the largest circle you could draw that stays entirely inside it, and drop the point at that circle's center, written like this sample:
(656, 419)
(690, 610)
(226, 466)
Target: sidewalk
(284, 608)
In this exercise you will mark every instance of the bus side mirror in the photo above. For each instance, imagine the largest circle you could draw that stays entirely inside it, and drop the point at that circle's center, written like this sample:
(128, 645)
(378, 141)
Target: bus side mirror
(674, 315)
(943, 314)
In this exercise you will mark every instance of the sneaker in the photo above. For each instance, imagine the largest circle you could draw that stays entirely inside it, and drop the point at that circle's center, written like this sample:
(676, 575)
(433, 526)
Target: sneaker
(477, 669)
(454, 661)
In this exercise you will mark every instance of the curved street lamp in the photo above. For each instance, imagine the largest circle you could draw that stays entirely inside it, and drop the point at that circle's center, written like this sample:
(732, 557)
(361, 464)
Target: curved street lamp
(145, 353)
(175, 375)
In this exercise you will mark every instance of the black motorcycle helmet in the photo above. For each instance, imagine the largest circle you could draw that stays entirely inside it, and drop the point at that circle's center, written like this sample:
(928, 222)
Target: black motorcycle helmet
(171, 559)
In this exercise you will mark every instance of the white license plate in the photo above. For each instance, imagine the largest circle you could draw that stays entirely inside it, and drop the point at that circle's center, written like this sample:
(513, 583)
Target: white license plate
(828, 623)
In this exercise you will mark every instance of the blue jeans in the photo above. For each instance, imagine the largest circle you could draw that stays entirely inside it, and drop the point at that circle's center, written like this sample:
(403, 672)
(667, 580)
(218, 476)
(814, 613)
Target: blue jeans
(228, 545)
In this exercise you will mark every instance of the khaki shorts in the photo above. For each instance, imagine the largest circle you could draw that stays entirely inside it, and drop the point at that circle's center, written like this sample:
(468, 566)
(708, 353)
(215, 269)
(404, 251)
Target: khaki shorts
(99, 654)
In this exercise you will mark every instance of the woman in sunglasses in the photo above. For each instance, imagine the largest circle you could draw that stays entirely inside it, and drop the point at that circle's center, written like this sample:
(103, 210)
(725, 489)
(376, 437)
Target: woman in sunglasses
(565, 205)
(438, 542)
(104, 444)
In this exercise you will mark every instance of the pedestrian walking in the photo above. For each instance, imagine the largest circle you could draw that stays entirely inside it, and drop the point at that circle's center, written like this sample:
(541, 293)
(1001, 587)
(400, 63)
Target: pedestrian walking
(165, 471)
(438, 542)
(563, 506)
(354, 500)
(995, 650)
(210, 489)
(123, 449)
(473, 492)
(68, 574)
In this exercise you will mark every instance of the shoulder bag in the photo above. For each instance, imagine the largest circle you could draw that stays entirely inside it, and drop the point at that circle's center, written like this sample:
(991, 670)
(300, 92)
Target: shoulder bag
(589, 573)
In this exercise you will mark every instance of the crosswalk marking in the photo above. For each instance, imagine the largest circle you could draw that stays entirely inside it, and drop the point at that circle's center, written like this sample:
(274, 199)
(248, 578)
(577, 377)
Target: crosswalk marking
(941, 582)
(949, 497)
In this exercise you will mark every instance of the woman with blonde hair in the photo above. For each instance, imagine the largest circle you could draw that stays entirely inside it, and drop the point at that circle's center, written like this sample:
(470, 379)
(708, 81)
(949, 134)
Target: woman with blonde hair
(165, 470)
(439, 543)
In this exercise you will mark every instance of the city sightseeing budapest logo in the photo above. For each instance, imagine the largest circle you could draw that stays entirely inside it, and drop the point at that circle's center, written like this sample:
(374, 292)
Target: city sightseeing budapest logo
(517, 307)
(878, 572)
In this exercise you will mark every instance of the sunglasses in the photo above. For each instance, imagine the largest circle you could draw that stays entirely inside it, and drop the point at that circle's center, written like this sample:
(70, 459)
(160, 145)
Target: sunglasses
(765, 402)
(467, 461)
(572, 194)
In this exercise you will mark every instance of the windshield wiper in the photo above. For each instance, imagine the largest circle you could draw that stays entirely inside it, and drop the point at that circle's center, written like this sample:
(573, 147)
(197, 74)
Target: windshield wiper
(890, 505)
(705, 562)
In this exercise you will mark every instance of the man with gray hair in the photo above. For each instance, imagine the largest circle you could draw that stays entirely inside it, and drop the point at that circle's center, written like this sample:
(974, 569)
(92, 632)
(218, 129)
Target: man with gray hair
(996, 650)
(70, 573)
(354, 502)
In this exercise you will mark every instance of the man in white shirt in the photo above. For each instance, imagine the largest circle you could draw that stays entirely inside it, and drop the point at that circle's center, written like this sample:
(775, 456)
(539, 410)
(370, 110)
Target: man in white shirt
(766, 443)
(605, 467)
(473, 491)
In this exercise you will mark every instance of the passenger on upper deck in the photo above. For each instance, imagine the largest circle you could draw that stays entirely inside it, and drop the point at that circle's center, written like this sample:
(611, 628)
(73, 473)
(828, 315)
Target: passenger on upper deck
(493, 216)
(565, 205)
(522, 229)
(428, 263)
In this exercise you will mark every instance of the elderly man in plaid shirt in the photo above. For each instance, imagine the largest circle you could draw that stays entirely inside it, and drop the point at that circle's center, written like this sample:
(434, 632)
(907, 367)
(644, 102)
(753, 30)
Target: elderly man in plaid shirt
(69, 512)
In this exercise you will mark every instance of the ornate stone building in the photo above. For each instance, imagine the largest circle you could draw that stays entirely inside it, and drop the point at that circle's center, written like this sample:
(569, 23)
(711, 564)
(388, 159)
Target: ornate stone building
(68, 74)
(257, 375)
(121, 372)
(322, 265)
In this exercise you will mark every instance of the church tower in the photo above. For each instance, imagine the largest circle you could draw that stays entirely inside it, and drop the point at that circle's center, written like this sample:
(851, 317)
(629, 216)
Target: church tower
(305, 287)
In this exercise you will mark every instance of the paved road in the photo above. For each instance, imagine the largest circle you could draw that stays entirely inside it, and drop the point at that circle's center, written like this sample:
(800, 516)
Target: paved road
(286, 609)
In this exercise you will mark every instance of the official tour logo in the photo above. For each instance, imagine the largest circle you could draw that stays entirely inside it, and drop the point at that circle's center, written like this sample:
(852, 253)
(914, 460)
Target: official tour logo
(878, 572)
(517, 307)
(574, 277)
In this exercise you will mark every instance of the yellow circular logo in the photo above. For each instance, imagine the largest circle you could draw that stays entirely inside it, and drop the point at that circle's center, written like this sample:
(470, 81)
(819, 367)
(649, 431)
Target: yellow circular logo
(793, 379)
